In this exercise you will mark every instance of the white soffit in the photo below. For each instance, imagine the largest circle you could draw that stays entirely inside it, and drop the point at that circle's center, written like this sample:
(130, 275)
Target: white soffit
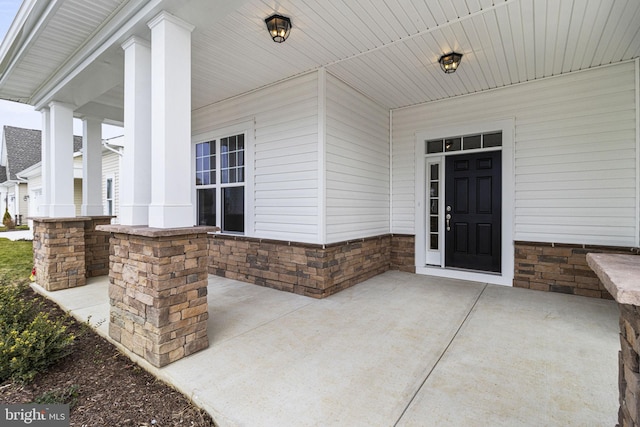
(73, 22)
(387, 49)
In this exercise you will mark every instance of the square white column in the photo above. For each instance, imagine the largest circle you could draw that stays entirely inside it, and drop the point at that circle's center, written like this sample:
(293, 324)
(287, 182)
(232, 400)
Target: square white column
(61, 161)
(170, 122)
(135, 173)
(92, 167)
(45, 150)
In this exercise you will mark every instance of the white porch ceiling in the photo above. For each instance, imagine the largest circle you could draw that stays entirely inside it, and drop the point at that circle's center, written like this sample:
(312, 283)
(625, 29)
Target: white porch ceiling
(387, 49)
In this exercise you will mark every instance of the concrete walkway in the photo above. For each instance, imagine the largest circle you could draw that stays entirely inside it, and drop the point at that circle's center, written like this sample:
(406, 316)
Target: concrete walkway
(397, 350)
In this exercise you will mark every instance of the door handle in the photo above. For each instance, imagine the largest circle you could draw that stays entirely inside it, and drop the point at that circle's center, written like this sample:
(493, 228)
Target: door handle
(448, 218)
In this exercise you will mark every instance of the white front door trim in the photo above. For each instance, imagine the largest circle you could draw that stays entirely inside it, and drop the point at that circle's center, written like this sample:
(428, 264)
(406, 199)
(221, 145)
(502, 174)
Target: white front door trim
(507, 126)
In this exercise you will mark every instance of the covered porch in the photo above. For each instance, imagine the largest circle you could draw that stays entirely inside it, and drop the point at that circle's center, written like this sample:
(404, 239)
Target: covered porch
(439, 352)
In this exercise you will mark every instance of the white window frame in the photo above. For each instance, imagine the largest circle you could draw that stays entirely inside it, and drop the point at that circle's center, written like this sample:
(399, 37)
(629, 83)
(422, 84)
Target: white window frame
(107, 178)
(507, 127)
(247, 129)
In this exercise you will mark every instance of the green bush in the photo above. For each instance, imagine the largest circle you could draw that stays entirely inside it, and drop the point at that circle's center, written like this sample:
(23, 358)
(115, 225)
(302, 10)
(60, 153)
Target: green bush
(29, 340)
(7, 220)
(60, 396)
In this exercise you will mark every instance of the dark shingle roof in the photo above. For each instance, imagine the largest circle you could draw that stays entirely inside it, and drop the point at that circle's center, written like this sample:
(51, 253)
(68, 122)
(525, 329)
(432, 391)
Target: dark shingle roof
(3, 174)
(24, 149)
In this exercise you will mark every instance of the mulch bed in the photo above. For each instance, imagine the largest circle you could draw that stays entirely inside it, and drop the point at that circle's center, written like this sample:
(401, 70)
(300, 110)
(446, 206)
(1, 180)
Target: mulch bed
(105, 388)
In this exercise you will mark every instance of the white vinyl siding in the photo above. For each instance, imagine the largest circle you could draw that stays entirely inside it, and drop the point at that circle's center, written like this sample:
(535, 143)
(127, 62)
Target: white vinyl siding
(111, 169)
(284, 198)
(34, 188)
(23, 204)
(357, 164)
(575, 154)
(35, 182)
(77, 195)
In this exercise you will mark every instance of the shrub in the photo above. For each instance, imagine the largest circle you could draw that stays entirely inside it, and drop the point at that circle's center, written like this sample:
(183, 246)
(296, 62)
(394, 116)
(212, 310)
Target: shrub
(29, 340)
(7, 220)
(60, 396)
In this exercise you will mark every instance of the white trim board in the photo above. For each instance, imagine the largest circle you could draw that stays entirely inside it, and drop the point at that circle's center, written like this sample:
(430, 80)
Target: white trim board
(507, 126)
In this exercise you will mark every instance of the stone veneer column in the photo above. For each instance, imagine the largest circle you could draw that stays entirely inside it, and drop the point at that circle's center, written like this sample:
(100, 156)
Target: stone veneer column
(158, 291)
(620, 274)
(96, 246)
(59, 252)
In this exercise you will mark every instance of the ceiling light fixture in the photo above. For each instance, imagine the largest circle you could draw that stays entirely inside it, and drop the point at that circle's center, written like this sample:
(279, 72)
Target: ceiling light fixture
(279, 27)
(450, 62)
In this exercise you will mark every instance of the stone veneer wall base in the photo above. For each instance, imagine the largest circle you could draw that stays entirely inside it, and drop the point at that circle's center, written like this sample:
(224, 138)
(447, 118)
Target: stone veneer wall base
(158, 291)
(308, 269)
(561, 268)
(403, 252)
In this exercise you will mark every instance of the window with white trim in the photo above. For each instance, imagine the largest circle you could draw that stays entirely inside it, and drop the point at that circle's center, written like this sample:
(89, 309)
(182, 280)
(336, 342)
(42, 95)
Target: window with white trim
(220, 175)
(109, 196)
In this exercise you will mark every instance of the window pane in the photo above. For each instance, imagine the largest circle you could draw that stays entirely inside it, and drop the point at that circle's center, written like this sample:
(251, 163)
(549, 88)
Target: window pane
(232, 160)
(435, 172)
(434, 206)
(199, 148)
(240, 158)
(233, 209)
(492, 139)
(207, 206)
(472, 142)
(240, 174)
(212, 177)
(434, 189)
(434, 146)
(434, 224)
(453, 144)
(224, 176)
(199, 167)
(240, 142)
(109, 188)
(434, 242)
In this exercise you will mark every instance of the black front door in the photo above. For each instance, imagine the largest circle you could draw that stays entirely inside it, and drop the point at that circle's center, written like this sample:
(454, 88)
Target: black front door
(473, 206)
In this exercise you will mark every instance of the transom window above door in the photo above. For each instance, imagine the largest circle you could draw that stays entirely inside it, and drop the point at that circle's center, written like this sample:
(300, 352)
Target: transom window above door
(467, 142)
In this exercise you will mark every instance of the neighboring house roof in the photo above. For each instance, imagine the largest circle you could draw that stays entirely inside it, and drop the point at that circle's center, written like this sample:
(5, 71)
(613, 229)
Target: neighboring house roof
(24, 150)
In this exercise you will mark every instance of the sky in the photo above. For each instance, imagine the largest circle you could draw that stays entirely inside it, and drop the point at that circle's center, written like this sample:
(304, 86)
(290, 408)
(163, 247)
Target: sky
(21, 115)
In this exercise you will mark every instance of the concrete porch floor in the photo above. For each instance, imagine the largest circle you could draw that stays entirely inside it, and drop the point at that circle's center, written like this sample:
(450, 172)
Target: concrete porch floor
(397, 350)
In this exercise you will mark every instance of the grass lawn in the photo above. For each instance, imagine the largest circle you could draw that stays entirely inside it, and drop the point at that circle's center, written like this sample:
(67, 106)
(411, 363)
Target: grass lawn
(16, 259)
